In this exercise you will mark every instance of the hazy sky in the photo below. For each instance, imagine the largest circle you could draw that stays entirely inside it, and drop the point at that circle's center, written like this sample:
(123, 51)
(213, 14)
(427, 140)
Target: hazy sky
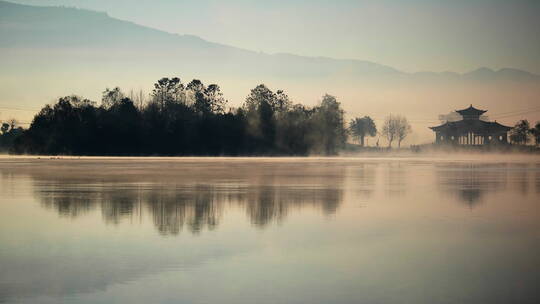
(413, 35)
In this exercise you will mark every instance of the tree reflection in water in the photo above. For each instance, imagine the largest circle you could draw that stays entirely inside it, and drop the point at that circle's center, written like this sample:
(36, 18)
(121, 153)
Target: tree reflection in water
(192, 206)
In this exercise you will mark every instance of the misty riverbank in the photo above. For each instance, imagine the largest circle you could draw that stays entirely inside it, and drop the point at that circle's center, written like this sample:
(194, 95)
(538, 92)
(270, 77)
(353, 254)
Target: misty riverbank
(352, 149)
(404, 154)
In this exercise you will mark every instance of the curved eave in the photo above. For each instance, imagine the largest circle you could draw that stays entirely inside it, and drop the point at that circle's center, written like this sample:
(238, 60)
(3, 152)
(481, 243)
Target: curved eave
(503, 127)
(471, 111)
(474, 125)
(438, 128)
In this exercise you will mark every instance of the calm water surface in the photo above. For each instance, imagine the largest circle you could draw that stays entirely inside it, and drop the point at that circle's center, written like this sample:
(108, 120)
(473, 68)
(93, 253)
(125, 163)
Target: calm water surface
(269, 231)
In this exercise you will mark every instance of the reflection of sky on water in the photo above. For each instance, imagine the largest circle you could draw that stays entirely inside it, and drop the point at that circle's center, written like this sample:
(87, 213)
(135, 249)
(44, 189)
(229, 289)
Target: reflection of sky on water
(269, 232)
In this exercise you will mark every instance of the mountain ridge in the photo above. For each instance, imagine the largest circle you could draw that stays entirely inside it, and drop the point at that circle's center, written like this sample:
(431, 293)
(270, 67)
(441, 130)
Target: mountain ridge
(64, 27)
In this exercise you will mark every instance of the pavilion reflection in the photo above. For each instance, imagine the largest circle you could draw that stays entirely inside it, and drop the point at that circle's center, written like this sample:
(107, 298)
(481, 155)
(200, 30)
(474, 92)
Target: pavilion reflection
(470, 182)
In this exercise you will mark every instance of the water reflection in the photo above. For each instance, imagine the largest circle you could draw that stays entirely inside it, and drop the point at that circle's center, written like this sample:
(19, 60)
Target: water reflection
(537, 178)
(79, 257)
(471, 182)
(195, 207)
(267, 196)
(364, 178)
(520, 176)
(396, 179)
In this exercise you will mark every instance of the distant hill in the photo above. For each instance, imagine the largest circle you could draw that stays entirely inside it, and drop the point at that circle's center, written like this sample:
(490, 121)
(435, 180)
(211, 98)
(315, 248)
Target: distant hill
(59, 27)
(23, 26)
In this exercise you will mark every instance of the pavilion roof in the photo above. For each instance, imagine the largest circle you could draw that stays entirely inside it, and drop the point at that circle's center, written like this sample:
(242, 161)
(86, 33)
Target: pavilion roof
(476, 126)
(471, 111)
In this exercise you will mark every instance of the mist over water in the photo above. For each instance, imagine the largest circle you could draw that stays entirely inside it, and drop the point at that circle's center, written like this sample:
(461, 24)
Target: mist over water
(396, 229)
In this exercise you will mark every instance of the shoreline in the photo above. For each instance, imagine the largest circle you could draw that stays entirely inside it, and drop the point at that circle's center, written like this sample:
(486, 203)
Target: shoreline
(351, 157)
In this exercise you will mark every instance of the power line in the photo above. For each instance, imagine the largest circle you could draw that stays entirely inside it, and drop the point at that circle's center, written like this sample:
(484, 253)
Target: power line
(18, 109)
(533, 109)
(494, 116)
(516, 114)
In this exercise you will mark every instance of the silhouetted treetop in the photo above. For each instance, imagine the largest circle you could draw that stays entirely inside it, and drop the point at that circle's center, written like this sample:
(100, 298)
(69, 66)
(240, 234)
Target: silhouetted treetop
(181, 119)
(362, 127)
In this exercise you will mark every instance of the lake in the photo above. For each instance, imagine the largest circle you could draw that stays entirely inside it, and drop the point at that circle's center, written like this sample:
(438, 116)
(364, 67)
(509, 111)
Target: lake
(270, 230)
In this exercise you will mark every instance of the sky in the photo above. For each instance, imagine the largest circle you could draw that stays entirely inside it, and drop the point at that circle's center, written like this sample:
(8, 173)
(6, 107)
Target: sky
(413, 35)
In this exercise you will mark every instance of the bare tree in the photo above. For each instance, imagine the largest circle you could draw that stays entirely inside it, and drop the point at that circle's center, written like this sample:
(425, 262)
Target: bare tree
(403, 129)
(138, 98)
(111, 96)
(396, 127)
(389, 129)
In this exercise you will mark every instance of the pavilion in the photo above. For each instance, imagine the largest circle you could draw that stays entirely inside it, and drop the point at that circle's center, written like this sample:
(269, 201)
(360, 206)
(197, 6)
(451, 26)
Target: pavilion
(471, 130)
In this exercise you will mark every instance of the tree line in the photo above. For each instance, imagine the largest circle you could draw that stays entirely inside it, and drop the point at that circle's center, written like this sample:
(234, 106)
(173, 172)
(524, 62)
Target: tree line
(192, 119)
(184, 119)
